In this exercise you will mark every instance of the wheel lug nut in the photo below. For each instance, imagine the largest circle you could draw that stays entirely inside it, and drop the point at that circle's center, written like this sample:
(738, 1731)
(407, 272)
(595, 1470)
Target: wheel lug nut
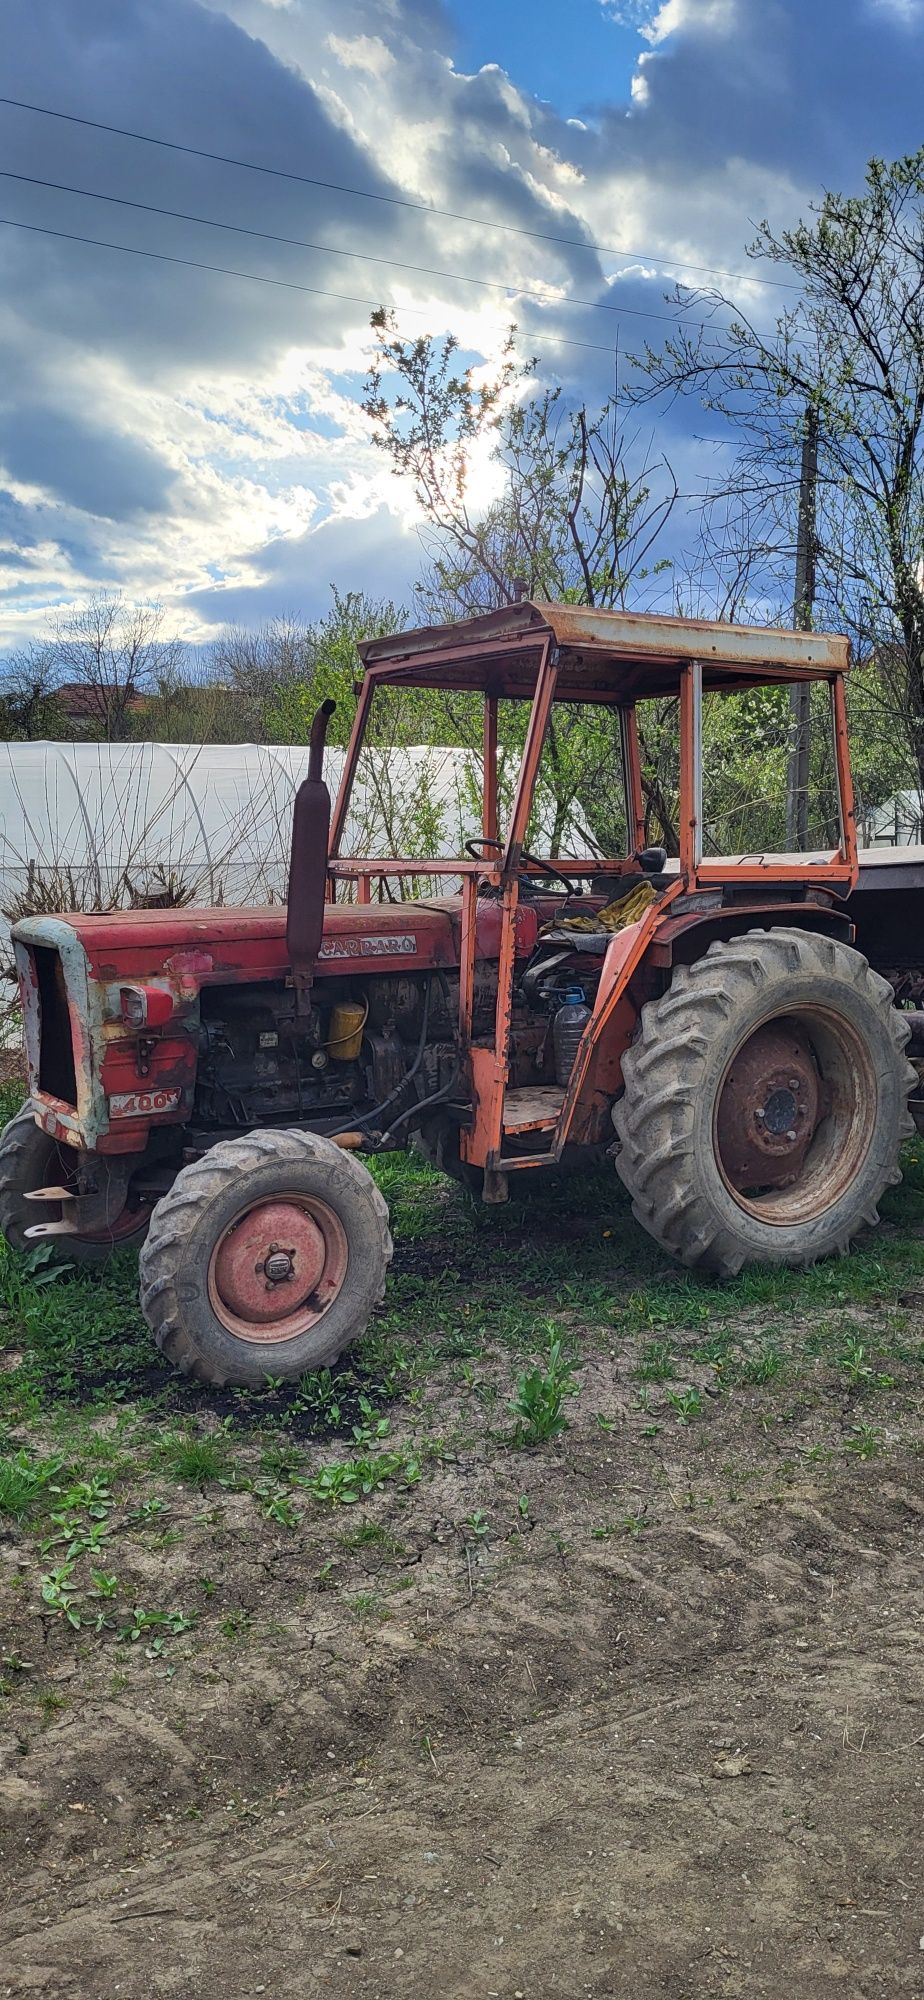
(793, 1083)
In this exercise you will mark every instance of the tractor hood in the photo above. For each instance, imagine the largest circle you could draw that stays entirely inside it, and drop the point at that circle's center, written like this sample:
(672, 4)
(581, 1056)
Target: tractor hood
(219, 946)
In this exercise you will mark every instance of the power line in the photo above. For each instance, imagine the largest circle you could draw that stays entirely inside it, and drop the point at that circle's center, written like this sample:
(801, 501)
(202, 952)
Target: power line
(394, 201)
(346, 298)
(331, 249)
(280, 284)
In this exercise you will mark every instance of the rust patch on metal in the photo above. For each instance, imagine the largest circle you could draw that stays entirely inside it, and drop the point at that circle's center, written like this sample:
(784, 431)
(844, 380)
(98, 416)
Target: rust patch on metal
(277, 1268)
(769, 1108)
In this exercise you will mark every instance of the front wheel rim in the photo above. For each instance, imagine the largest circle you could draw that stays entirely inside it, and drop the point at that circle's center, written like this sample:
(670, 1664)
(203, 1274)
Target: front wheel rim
(277, 1268)
(829, 1102)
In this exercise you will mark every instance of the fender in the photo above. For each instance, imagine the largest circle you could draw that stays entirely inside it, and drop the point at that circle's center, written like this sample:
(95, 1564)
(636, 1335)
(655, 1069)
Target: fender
(662, 938)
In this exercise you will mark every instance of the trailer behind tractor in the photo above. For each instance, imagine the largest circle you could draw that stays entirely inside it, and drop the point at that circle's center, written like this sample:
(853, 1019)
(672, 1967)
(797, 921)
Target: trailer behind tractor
(732, 1030)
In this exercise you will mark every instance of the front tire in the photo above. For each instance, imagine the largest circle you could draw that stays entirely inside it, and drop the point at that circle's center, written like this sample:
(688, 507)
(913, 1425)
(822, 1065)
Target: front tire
(266, 1258)
(729, 1158)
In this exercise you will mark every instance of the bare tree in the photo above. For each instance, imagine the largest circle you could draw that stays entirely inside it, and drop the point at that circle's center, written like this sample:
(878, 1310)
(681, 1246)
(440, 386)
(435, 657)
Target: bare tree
(29, 703)
(257, 664)
(577, 517)
(850, 349)
(115, 653)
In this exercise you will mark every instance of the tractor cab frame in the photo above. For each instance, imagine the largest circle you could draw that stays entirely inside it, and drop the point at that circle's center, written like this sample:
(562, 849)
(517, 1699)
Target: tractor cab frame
(543, 654)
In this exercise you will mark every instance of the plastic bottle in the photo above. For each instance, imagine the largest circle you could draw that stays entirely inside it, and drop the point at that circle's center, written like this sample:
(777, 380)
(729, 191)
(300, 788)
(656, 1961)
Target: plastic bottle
(567, 1028)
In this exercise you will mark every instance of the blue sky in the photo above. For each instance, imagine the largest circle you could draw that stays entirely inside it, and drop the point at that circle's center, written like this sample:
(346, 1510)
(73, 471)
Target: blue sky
(573, 54)
(197, 438)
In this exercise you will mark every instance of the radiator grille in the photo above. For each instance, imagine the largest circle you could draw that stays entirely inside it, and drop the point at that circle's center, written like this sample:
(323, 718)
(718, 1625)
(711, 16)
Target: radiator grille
(56, 1050)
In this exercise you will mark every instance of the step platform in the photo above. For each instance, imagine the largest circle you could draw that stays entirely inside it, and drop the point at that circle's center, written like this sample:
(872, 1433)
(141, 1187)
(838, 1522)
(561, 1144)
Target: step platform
(534, 1108)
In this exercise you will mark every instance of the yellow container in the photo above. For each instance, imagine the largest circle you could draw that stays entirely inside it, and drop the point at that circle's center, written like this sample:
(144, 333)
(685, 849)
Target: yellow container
(347, 1022)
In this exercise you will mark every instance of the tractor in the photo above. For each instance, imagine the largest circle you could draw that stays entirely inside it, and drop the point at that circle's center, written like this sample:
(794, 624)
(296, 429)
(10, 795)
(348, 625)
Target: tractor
(203, 1083)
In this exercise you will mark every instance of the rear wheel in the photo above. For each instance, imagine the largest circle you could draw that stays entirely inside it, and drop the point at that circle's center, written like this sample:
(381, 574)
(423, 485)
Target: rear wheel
(765, 1102)
(265, 1259)
(31, 1159)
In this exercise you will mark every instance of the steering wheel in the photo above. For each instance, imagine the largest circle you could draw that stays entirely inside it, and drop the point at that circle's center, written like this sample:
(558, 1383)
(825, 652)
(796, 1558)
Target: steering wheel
(544, 867)
(539, 862)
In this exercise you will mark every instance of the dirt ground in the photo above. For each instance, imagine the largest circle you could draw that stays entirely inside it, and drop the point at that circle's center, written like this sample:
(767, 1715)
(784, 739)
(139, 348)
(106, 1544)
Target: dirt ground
(637, 1711)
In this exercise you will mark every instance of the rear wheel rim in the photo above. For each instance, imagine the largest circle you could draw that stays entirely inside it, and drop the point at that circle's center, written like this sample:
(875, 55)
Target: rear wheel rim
(277, 1268)
(807, 1072)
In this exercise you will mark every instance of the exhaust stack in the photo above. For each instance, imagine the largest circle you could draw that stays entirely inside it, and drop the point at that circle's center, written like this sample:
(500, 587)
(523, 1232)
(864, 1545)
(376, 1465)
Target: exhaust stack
(308, 863)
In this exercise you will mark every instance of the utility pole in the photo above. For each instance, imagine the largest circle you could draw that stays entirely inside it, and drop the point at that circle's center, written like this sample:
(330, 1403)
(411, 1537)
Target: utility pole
(797, 777)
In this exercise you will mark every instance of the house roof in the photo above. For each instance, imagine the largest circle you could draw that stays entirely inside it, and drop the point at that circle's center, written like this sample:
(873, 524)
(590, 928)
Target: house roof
(82, 702)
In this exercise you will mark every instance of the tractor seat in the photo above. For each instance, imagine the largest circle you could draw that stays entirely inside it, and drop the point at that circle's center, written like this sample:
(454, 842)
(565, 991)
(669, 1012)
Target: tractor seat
(634, 897)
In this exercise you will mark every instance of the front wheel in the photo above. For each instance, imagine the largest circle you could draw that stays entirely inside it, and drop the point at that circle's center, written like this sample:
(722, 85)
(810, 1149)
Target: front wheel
(265, 1259)
(765, 1102)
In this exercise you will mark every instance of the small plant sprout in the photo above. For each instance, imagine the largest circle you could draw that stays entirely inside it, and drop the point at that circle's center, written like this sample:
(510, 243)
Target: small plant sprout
(628, 1524)
(103, 1585)
(656, 1363)
(866, 1441)
(853, 1362)
(763, 1366)
(148, 1510)
(685, 1403)
(276, 1502)
(166, 1623)
(59, 1595)
(538, 1401)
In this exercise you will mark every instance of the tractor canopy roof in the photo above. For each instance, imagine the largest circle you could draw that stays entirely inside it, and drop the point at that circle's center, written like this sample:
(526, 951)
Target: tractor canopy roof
(603, 656)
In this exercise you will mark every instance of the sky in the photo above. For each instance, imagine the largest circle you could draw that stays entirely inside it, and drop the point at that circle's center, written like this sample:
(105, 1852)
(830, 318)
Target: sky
(195, 437)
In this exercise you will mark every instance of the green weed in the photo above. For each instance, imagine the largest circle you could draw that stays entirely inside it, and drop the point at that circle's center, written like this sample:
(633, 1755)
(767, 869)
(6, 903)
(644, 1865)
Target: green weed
(628, 1524)
(685, 1403)
(141, 1623)
(346, 1481)
(763, 1366)
(866, 1441)
(539, 1398)
(853, 1363)
(656, 1362)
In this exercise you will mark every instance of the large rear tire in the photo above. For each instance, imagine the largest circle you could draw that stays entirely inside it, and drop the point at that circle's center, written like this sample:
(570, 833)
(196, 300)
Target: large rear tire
(765, 1103)
(265, 1259)
(30, 1159)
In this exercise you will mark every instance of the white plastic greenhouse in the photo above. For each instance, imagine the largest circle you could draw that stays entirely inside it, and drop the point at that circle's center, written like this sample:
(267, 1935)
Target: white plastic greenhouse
(92, 825)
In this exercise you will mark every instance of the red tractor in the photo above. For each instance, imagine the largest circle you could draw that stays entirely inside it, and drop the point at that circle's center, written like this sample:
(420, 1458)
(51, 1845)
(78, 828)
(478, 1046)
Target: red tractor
(202, 1082)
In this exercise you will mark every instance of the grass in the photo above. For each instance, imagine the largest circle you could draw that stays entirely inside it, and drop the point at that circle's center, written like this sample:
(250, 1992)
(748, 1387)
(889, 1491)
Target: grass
(498, 1302)
(197, 1461)
(24, 1481)
(493, 1318)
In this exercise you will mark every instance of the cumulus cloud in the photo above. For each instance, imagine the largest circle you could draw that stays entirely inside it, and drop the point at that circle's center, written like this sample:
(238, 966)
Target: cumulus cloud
(195, 436)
